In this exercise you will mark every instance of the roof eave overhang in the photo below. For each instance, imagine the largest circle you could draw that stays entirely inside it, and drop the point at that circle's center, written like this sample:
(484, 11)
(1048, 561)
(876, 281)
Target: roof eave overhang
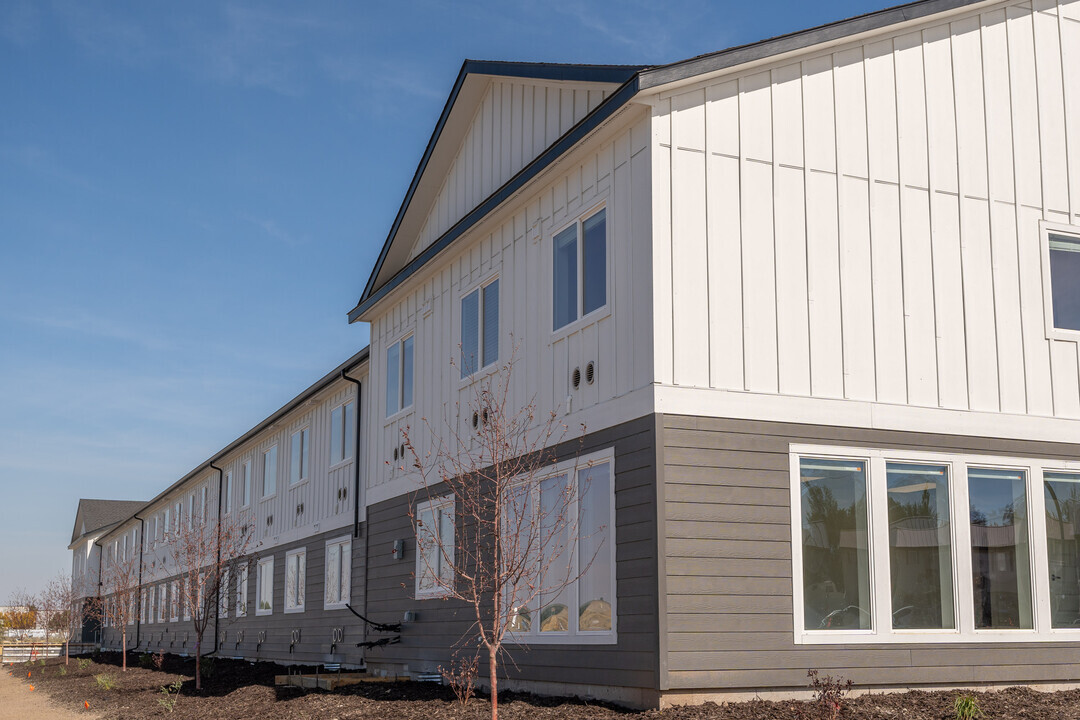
(590, 122)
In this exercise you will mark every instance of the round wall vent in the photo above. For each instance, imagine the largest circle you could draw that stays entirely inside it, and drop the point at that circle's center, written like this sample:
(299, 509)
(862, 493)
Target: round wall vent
(590, 372)
(575, 378)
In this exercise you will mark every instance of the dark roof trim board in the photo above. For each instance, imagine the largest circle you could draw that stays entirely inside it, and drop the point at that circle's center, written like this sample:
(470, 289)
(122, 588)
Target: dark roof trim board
(799, 40)
(616, 74)
(590, 122)
(285, 409)
(638, 79)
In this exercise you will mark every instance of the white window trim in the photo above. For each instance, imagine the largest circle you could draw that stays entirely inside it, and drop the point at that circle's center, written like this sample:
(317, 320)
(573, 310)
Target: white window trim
(402, 411)
(965, 632)
(1045, 229)
(226, 493)
(305, 428)
(578, 637)
(301, 553)
(163, 607)
(266, 562)
(346, 459)
(346, 598)
(443, 502)
(174, 602)
(242, 591)
(223, 593)
(277, 472)
(604, 310)
(481, 370)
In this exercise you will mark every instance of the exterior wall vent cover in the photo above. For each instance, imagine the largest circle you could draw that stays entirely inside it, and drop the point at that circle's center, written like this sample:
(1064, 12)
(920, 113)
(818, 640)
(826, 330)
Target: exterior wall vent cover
(575, 378)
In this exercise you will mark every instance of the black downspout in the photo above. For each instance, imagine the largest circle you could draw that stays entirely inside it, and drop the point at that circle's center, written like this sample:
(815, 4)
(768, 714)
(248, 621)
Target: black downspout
(217, 572)
(356, 458)
(142, 598)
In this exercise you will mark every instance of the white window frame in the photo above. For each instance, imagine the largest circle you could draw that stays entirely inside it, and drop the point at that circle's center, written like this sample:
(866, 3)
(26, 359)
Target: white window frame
(292, 605)
(163, 600)
(304, 466)
(440, 505)
(263, 495)
(481, 324)
(341, 425)
(401, 409)
(1045, 230)
(266, 565)
(344, 573)
(581, 318)
(573, 468)
(187, 605)
(881, 630)
(174, 602)
(226, 493)
(242, 592)
(151, 604)
(191, 510)
(223, 593)
(245, 484)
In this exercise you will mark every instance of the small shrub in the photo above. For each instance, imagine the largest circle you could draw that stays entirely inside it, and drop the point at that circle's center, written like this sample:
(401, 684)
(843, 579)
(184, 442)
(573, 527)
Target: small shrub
(206, 667)
(170, 693)
(84, 663)
(42, 662)
(159, 659)
(461, 677)
(829, 694)
(62, 671)
(146, 660)
(967, 707)
(105, 681)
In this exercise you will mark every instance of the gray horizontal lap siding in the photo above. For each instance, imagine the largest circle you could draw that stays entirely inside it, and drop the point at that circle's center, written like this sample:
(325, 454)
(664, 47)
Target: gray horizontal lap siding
(316, 625)
(728, 575)
(441, 625)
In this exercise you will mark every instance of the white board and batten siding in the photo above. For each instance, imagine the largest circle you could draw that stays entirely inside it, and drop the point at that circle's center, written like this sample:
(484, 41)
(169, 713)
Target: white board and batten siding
(516, 121)
(863, 223)
(516, 247)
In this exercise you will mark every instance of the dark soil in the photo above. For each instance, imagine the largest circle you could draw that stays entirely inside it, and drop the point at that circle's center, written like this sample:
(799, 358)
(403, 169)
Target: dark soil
(239, 690)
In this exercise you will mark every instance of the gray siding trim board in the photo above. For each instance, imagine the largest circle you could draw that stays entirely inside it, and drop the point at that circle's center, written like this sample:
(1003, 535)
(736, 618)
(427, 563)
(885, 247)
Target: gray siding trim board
(728, 574)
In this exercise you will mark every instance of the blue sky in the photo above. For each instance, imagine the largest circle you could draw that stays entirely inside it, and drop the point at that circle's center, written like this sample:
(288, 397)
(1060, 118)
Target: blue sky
(193, 194)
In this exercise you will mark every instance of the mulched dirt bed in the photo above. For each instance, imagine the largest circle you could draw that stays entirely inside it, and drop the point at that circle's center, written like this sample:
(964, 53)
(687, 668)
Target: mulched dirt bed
(242, 691)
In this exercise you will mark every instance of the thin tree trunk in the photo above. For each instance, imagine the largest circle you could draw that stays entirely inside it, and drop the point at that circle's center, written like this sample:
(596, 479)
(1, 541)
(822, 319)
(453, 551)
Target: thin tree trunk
(123, 649)
(67, 656)
(198, 664)
(494, 674)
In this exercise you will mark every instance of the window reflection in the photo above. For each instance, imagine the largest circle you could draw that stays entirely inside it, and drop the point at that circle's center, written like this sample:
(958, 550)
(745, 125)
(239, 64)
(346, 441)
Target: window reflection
(920, 546)
(1062, 496)
(835, 544)
(1001, 571)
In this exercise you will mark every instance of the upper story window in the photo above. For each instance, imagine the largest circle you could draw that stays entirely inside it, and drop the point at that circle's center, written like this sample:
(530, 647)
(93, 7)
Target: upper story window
(245, 484)
(226, 493)
(480, 328)
(579, 269)
(342, 432)
(298, 455)
(269, 478)
(399, 376)
(1064, 295)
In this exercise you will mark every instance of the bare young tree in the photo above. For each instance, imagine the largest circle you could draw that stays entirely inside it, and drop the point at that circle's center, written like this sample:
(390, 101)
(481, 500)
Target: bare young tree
(117, 604)
(516, 528)
(62, 603)
(207, 553)
(21, 615)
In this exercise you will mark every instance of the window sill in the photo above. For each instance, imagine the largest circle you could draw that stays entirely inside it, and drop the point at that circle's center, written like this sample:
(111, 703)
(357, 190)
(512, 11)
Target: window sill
(261, 613)
(483, 373)
(292, 611)
(399, 415)
(431, 595)
(299, 483)
(580, 324)
(564, 639)
(268, 497)
(340, 464)
(1062, 334)
(336, 606)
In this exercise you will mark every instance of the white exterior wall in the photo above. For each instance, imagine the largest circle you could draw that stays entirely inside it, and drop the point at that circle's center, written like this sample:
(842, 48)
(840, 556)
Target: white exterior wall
(862, 224)
(515, 244)
(514, 123)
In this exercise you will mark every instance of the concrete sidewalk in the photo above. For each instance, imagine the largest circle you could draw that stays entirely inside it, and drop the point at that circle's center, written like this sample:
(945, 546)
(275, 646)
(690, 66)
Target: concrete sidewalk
(17, 702)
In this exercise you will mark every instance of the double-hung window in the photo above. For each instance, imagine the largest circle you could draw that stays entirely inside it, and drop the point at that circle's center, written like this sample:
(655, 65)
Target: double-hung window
(264, 586)
(295, 580)
(269, 476)
(435, 547)
(480, 328)
(1063, 296)
(579, 269)
(299, 448)
(245, 484)
(242, 592)
(342, 432)
(902, 546)
(162, 600)
(567, 593)
(174, 601)
(399, 376)
(150, 604)
(338, 572)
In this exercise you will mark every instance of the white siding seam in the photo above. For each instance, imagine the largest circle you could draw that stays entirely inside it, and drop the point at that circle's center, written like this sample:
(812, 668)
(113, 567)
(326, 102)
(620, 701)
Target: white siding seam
(930, 220)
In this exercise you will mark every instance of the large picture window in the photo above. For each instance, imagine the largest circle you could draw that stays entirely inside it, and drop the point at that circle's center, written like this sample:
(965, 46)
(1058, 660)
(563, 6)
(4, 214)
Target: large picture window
(399, 376)
(573, 505)
(480, 328)
(579, 269)
(901, 546)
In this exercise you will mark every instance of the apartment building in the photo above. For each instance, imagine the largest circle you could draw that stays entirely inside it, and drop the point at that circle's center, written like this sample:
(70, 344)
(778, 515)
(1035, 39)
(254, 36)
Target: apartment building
(816, 303)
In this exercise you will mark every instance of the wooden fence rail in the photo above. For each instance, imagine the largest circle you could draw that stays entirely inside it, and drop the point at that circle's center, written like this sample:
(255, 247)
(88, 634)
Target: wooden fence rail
(21, 652)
